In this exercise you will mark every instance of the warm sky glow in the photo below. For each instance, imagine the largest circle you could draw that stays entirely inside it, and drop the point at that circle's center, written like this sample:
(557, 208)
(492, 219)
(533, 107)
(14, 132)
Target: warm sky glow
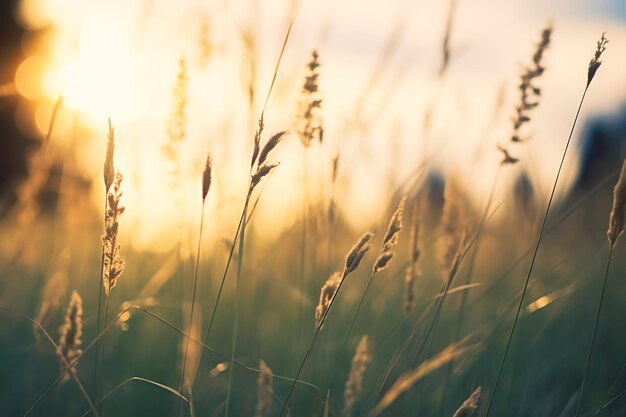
(119, 59)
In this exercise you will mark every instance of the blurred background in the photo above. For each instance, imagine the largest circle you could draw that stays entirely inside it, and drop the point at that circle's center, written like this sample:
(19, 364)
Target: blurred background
(415, 96)
(385, 105)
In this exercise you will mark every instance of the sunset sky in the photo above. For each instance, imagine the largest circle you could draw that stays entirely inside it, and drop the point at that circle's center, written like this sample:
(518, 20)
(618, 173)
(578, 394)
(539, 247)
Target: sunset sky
(119, 59)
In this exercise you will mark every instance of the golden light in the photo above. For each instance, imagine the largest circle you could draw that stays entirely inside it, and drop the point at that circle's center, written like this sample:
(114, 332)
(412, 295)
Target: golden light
(119, 59)
(29, 77)
(548, 299)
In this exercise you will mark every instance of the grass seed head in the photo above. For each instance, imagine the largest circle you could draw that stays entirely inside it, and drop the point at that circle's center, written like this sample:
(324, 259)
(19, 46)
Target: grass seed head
(470, 405)
(595, 62)
(70, 334)
(206, 176)
(53, 292)
(109, 165)
(264, 388)
(270, 145)
(263, 170)
(353, 258)
(329, 289)
(309, 119)
(354, 384)
(391, 238)
(616, 219)
(113, 262)
(529, 92)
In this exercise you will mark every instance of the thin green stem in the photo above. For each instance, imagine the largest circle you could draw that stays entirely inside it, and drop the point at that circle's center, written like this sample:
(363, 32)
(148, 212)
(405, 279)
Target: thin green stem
(349, 332)
(95, 365)
(310, 348)
(193, 303)
(236, 307)
(464, 298)
(225, 274)
(140, 379)
(67, 367)
(534, 257)
(617, 378)
(595, 329)
(150, 314)
(106, 313)
(437, 305)
(303, 240)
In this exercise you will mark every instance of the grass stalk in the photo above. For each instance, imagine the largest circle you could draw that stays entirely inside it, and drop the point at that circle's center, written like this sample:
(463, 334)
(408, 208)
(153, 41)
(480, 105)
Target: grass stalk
(236, 306)
(303, 248)
(534, 256)
(309, 349)
(219, 292)
(96, 371)
(101, 359)
(468, 281)
(193, 303)
(594, 332)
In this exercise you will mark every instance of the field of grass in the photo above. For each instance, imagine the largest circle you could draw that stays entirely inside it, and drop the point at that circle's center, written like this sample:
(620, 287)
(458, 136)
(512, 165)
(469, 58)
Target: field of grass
(443, 306)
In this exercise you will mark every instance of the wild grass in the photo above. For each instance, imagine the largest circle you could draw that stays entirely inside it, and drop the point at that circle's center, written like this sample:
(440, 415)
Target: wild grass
(424, 327)
(615, 229)
(593, 66)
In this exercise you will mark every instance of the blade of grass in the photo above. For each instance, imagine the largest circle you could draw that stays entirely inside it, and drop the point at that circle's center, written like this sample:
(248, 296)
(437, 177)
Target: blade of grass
(534, 256)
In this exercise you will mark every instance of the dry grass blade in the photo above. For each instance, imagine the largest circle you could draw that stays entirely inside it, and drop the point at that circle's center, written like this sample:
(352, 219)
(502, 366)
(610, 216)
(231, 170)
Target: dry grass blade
(354, 385)
(70, 334)
(408, 379)
(616, 219)
(470, 405)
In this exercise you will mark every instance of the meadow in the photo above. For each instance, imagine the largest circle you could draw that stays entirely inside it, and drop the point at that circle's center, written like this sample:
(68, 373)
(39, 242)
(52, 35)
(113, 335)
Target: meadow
(446, 304)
